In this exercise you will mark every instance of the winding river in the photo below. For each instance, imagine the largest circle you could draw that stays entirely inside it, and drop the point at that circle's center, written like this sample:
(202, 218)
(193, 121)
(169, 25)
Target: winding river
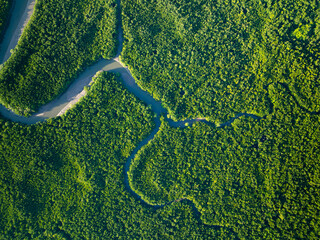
(20, 15)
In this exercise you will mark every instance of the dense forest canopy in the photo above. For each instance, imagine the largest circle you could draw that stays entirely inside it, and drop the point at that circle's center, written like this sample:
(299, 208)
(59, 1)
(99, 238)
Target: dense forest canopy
(216, 58)
(258, 177)
(60, 40)
(63, 179)
(5, 6)
(254, 179)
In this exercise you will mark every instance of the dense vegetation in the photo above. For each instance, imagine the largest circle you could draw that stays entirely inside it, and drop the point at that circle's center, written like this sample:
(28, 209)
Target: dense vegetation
(259, 177)
(5, 6)
(216, 58)
(255, 179)
(64, 178)
(61, 39)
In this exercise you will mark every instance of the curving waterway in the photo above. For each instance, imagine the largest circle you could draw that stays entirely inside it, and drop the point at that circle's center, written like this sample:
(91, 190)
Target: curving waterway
(75, 91)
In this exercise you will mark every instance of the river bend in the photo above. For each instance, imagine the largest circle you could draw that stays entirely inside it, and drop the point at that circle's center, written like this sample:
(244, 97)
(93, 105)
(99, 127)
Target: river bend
(76, 90)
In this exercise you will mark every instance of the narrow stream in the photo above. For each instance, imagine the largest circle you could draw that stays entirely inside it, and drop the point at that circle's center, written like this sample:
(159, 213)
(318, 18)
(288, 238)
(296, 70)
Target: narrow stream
(62, 103)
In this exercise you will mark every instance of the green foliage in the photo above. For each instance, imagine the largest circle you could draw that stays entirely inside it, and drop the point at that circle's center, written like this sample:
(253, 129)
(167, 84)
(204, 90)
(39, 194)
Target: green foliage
(5, 6)
(260, 178)
(216, 58)
(61, 39)
(301, 32)
(64, 178)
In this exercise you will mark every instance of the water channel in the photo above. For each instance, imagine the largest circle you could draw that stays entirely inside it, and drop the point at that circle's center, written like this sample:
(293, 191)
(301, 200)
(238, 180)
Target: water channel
(76, 90)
